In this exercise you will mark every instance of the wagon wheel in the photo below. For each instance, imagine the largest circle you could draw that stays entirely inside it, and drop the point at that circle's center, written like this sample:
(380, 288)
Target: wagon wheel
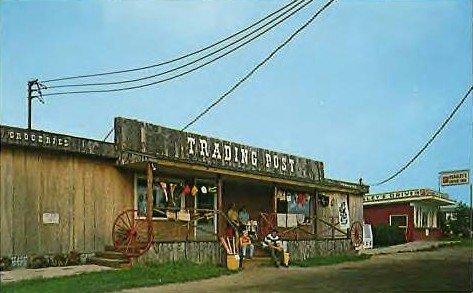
(356, 234)
(131, 236)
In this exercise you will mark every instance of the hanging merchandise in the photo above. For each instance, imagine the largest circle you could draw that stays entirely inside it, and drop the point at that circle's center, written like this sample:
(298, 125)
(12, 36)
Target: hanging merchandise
(165, 190)
(212, 189)
(172, 188)
(323, 200)
(194, 190)
(300, 199)
(186, 190)
(203, 189)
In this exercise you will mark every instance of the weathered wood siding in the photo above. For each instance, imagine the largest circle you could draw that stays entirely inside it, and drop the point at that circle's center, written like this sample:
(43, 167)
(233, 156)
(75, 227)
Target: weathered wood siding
(195, 251)
(86, 192)
(212, 251)
(356, 208)
(330, 213)
(304, 249)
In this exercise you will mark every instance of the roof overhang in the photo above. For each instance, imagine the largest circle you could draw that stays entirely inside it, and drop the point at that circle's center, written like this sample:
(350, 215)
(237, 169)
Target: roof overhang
(435, 200)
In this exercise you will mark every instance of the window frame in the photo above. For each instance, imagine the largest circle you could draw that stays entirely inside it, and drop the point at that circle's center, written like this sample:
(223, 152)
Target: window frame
(399, 215)
(169, 179)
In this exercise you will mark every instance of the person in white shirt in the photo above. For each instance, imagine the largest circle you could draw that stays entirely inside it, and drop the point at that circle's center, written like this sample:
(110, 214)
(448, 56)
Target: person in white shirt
(273, 243)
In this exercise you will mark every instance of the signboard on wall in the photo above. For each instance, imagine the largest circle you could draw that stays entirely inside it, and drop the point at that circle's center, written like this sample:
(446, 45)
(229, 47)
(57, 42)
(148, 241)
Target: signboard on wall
(138, 141)
(54, 141)
(458, 177)
(343, 214)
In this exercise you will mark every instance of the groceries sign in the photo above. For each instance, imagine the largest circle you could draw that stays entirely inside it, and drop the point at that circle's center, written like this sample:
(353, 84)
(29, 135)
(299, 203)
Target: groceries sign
(454, 177)
(138, 141)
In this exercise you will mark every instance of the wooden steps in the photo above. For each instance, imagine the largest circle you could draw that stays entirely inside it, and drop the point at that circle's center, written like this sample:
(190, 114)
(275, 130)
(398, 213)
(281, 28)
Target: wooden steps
(110, 257)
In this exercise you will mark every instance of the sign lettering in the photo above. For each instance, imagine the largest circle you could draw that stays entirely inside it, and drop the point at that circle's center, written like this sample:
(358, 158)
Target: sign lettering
(135, 139)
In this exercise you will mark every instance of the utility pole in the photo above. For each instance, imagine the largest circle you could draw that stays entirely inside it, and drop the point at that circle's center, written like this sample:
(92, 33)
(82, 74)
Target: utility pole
(30, 97)
(30, 93)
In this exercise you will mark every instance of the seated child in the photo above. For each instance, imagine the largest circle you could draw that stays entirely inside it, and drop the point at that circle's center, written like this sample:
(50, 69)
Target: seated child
(246, 245)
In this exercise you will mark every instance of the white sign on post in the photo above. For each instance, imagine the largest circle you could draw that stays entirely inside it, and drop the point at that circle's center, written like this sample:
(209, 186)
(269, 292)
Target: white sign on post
(458, 177)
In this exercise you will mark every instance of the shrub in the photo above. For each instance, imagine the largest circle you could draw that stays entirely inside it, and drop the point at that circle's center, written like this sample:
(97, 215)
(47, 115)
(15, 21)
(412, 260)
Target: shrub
(37, 261)
(59, 260)
(386, 235)
(73, 258)
(5, 264)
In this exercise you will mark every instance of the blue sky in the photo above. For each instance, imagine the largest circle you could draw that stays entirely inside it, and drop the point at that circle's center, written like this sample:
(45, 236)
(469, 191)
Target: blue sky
(361, 89)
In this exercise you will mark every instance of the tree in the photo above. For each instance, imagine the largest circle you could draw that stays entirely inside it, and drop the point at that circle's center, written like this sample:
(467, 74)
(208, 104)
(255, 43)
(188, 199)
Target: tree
(460, 224)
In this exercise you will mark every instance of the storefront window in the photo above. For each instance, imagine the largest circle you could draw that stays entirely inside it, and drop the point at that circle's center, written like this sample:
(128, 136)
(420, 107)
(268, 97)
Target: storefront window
(167, 192)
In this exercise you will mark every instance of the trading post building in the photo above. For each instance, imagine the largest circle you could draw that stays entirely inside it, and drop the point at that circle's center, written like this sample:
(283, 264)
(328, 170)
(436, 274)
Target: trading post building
(61, 193)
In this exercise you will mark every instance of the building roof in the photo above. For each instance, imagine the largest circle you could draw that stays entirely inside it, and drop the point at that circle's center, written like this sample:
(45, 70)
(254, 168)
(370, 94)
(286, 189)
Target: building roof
(157, 143)
(406, 196)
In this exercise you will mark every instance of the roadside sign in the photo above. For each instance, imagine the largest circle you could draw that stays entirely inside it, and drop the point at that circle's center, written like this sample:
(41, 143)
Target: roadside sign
(458, 177)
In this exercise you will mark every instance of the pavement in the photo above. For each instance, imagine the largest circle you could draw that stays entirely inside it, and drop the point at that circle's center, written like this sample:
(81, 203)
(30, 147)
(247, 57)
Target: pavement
(50, 272)
(408, 247)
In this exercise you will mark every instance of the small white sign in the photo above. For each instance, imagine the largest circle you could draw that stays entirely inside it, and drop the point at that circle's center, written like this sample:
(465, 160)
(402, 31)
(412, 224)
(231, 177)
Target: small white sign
(367, 236)
(50, 218)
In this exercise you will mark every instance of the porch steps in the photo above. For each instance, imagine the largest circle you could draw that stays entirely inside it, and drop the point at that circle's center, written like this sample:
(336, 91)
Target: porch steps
(110, 257)
(256, 261)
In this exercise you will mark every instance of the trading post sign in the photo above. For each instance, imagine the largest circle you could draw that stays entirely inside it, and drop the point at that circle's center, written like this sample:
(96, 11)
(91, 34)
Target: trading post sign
(458, 177)
(152, 141)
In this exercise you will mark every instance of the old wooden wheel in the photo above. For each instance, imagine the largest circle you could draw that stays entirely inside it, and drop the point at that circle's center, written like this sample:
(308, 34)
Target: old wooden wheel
(356, 234)
(131, 236)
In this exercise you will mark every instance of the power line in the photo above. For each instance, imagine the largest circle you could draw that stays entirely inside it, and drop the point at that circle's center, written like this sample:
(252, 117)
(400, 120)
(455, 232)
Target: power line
(175, 59)
(180, 74)
(429, 141)
(186, 64)
(249, 74)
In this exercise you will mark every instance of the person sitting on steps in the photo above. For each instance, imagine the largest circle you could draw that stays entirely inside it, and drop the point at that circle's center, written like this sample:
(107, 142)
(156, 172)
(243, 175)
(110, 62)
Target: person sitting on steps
(273, 243)
(247, 248)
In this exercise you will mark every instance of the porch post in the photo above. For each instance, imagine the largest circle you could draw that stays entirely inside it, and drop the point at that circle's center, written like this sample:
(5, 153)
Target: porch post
(220, 219)
(275, 201)
(315, 214)
(149, 190)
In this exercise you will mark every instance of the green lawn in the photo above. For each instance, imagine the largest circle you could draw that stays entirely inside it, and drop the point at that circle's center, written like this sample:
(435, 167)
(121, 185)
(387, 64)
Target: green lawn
(106, 281)
(329, 260)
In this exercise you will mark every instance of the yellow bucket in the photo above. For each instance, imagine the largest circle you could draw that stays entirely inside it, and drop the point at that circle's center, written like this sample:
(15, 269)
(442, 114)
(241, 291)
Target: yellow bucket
(233, 262)
(286, 258)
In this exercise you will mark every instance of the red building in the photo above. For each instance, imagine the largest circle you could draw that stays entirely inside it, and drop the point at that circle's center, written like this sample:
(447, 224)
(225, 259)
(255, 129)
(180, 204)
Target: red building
(415, 210)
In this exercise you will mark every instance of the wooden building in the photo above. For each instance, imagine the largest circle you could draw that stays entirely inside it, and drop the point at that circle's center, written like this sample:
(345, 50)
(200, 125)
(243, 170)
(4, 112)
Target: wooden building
(60, 193)
(416, 211)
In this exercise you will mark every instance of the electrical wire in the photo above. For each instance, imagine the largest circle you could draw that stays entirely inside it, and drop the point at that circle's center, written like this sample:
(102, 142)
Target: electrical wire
(442, 126)
(186, 64)
(249, 74)
(180, 74)
(175, 59)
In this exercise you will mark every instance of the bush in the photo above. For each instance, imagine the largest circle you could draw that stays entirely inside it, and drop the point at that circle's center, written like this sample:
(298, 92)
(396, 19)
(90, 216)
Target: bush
(73, 258)
(5, 264)
(37, 261)
(385, 235)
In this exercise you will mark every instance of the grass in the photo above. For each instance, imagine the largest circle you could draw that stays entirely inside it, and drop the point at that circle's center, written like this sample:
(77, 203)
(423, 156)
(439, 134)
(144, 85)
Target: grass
(329, 260)
(465, 242)
(106, 281)
(461, 242)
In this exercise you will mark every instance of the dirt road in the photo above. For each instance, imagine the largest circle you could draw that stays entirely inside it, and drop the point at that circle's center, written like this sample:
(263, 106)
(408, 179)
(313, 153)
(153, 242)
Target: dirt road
(443, 270)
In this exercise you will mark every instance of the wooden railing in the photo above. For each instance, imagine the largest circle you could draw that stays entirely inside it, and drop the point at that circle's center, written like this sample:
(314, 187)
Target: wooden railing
(268, 221)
